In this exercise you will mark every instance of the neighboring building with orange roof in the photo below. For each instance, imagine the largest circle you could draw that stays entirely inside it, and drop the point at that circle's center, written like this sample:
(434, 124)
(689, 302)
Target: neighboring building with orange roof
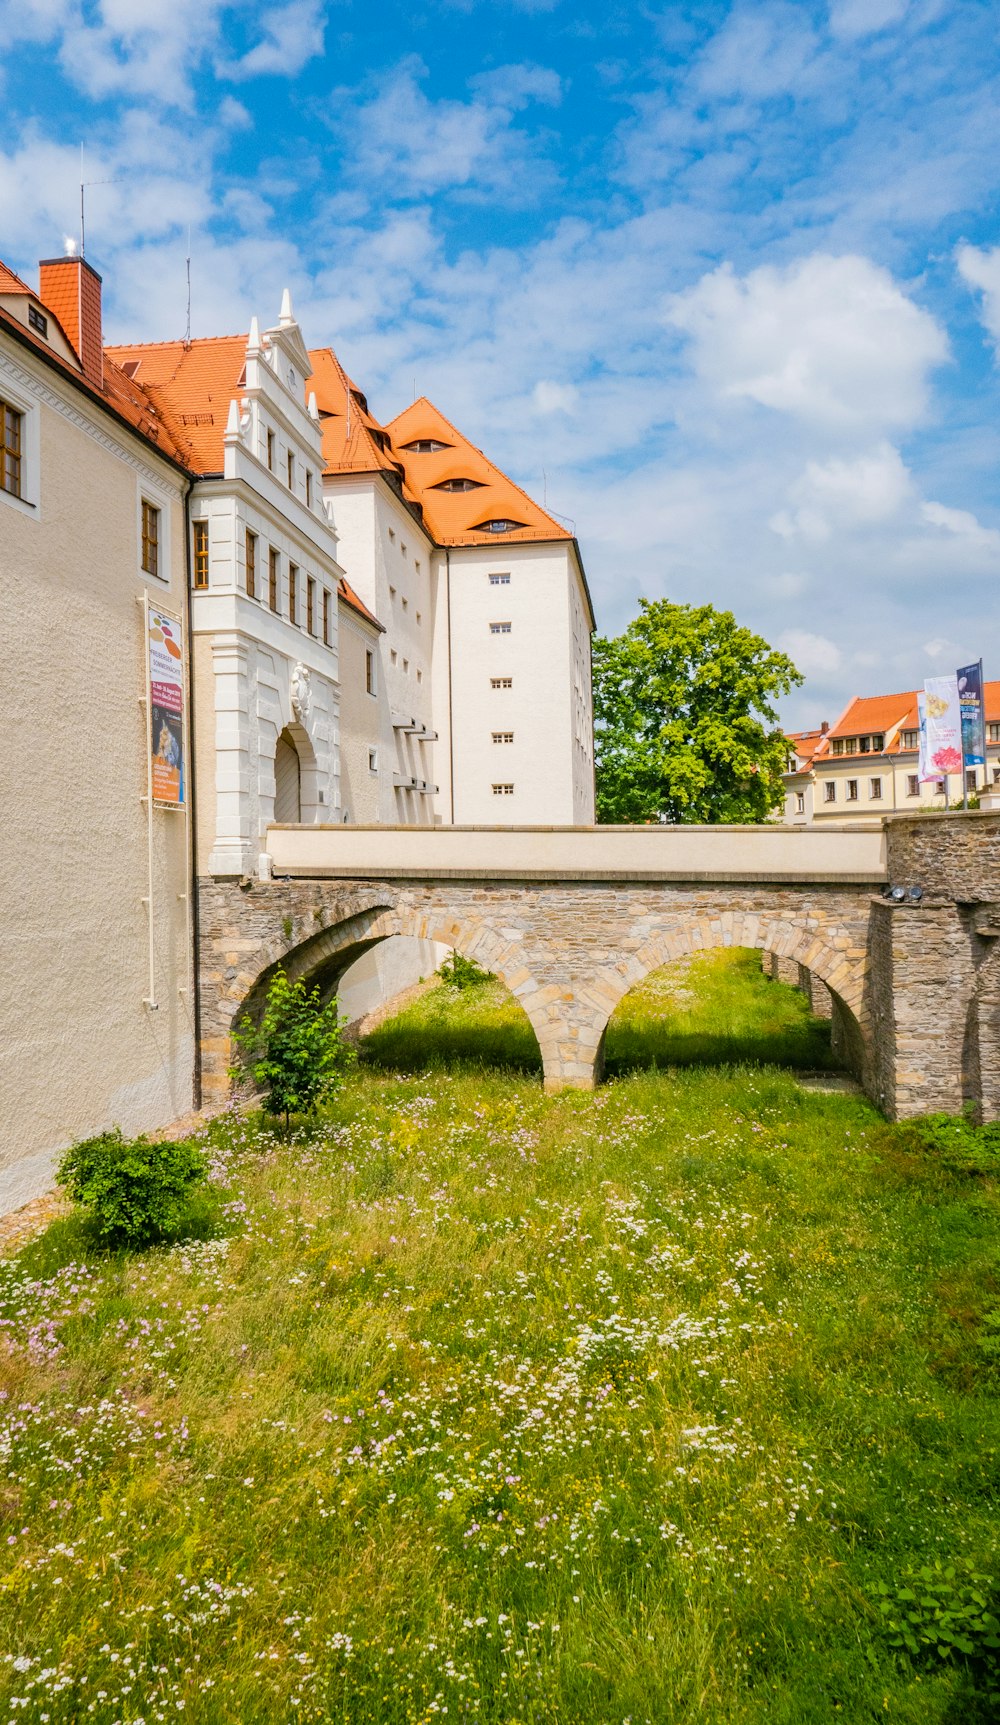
(92, 529)
(866, 765)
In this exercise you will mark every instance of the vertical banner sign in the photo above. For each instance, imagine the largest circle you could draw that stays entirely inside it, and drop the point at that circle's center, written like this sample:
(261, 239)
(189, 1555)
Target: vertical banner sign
(970, 694)
(944, 725)
(166, 708)
(924, 769)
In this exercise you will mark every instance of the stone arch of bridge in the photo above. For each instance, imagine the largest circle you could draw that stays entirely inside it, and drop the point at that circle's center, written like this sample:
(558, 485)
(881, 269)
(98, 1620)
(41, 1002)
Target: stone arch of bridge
(323, 954)
(839, 965)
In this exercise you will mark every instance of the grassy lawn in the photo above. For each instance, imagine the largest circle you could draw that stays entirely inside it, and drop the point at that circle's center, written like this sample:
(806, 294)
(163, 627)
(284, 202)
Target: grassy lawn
(480, 1405)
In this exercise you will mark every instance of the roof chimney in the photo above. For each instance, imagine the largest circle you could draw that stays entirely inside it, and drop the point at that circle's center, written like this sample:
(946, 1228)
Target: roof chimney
(71, 290)
(824, 727)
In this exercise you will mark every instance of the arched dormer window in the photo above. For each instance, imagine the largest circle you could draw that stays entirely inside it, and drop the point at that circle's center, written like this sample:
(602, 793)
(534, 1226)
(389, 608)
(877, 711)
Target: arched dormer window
(425, 446)
(501, 524)
(458, 485)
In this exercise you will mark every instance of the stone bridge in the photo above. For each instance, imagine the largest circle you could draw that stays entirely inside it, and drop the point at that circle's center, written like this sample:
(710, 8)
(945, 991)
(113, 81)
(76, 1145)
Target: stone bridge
(572, 918)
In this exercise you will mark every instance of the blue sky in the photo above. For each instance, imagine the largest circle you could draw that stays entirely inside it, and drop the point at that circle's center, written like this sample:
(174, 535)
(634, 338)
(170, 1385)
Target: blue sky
(720, 281)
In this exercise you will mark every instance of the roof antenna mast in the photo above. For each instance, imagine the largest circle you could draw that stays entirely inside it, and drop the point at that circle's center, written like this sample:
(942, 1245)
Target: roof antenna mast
(187, 332)
(83, 225)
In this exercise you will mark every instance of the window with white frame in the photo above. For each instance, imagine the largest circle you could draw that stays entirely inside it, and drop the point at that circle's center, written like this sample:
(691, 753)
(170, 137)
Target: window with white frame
(852, 790)
(11, 450)
(503, 736)
(499, 628)
(501, 682)
(830, 792)
(800, 803)
(499, 580)
(503, 790)
(150, 537)
(875, 790)
(912, 785)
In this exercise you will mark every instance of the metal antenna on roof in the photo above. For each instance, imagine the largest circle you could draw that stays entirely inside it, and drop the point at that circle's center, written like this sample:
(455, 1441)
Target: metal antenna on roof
(83, 225)
(187, 261)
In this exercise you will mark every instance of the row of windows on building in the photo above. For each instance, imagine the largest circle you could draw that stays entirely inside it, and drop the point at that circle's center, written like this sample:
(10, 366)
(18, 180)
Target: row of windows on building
(874, 743)
(290, 467)
(318, 600)
(852, 788)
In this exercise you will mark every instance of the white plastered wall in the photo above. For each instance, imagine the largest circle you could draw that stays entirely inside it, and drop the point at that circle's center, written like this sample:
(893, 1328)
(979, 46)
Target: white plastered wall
(79, 1049)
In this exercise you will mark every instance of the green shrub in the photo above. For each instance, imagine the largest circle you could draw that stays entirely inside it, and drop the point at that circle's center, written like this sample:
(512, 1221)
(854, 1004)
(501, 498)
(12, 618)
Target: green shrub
(136, 1191)
(960, 1144)
(296, 1053)
(460, 972)
(947, 1611)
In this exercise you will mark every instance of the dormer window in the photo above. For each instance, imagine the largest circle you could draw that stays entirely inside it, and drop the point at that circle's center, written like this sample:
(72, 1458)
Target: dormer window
(426, 446)
(500, 524)
(459, 485)
(37, 320)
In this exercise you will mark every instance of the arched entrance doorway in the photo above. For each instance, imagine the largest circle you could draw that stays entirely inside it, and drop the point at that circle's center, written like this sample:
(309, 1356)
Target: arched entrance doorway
(287, 782)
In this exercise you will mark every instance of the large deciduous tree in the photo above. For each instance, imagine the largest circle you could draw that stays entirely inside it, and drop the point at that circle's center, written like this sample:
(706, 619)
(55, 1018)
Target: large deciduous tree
(685, 723)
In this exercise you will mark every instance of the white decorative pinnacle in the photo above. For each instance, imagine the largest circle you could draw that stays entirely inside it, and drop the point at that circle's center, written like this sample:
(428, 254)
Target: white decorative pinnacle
(285, 318)
(233, 422)
(253, 339)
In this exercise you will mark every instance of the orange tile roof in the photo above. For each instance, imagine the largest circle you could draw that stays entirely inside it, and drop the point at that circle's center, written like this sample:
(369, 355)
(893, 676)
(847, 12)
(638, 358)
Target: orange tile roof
(191, 387)
(10, 283)
(353, 440)
(351, 598)
(453, 517)
(889, 716)
(117, 393)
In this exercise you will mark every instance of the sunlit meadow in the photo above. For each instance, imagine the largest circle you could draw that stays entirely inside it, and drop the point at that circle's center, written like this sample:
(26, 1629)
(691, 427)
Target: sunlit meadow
(473, 1404)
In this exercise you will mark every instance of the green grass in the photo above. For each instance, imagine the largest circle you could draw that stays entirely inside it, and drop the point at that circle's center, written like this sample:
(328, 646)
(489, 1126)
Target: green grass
(715, 1008)
(486, 1405)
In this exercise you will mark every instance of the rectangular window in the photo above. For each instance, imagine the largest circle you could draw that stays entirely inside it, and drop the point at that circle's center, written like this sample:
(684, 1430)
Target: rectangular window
(201, 553)
(995, 733)
(838, 745)
(800, 803)
(273, 568)
(503, 736)
(293, 592)
(251, 565)
(499, 580)
(501, 682)
(911, 739)
(852, 790)
(875, 790)
(309, 489)
(503, 790)
(369, 671)
(11, 440)
(912, 785)
(38, 320)
(864, 744)
(150, 538)
(326, 615)
(270, 450)
(878, 741)
(499, 628)
(373, 760)
(970, 782)
(310, 605)
(291, 470)
(830, 792)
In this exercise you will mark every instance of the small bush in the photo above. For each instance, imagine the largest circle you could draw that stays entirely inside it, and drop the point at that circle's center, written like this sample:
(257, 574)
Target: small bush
(959, 1143)
(949, 1612)
(463, 973)
(297, 1052)
(136, 1191)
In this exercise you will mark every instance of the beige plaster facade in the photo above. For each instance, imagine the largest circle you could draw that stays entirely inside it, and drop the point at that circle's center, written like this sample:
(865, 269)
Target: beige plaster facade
(80, 1048)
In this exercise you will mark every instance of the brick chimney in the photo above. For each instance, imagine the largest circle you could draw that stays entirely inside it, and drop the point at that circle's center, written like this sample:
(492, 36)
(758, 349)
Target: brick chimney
(71, 290)
(824, 727)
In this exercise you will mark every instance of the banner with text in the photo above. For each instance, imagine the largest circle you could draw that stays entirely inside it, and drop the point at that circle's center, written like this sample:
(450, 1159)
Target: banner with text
(166, 708)
(970, 694)
(924, 770)
(944, 725)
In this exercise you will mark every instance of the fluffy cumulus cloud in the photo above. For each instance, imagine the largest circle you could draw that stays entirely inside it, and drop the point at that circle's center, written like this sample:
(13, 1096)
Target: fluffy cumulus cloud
(813, 654)
(833, 341)
(762, 50)
(980, 268)
(845, 492)
(289, 36)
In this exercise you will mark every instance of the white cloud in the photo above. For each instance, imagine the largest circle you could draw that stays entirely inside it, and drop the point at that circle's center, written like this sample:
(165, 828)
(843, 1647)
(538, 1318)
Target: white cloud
(850, 19)
(400, 137)
(840, 493)
(981, 269)
(761, 50)
(832, 341)
(815, 655)
(290, 36)
(962, 524)
(548, 397)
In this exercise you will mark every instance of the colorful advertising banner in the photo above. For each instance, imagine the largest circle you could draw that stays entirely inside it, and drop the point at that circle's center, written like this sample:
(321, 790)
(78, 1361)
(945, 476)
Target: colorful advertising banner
(166, 708)
(924, 771)
(944, 725)
(970, 694)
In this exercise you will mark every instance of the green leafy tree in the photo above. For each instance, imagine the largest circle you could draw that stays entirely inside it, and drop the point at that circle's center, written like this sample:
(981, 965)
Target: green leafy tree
(297, 1053)
(685, 725)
